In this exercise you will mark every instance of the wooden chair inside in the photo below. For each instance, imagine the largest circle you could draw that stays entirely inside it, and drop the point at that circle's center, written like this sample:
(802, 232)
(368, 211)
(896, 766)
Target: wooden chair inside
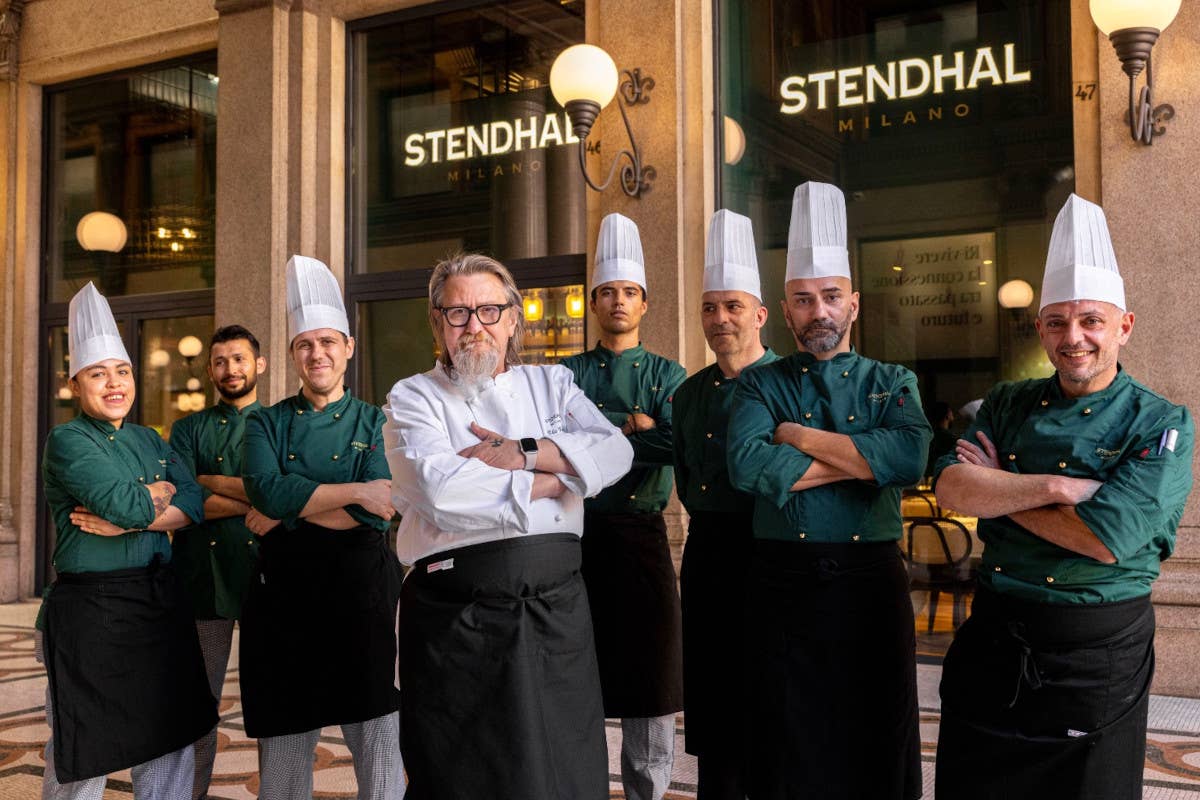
(938, 552)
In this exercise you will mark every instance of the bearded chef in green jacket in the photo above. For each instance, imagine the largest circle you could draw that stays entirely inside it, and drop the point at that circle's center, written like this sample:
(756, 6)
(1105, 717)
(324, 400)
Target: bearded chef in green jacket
(825, 439)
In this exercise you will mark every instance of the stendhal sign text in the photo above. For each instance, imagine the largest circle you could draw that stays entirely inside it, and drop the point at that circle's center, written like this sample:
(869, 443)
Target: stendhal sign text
(903, 79)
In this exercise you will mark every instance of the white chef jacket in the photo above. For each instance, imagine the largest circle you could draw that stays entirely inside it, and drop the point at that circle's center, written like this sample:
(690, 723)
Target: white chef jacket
(447, 501)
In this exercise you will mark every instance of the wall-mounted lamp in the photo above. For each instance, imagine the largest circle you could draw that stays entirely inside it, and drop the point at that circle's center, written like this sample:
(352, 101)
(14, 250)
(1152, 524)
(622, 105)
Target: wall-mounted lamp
(1133, 27)
(1017, 297)
(583, 81)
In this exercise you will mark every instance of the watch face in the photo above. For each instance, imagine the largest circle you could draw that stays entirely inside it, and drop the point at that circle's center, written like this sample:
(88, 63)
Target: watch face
(529, 445)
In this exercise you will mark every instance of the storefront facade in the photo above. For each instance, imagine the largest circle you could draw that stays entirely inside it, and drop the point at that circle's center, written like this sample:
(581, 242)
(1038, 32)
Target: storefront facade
(379, 135)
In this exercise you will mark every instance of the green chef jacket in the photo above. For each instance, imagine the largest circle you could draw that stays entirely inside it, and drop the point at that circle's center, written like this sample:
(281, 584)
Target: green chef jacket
(875, 404)
(88, 462)
(215, 558)
(290, 449)
(635, 381)
(1113, 436)
(702, 405)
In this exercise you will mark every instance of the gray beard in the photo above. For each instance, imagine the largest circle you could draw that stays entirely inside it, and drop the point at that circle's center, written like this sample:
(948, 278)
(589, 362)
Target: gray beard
(472, 371)
(822, 339)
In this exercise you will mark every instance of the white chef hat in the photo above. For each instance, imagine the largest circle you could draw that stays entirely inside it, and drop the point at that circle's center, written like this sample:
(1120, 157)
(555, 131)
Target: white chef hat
(314, 299)
(1081, 264)
(93, 335)
(730, 261)
(817, 234)
(619, 252)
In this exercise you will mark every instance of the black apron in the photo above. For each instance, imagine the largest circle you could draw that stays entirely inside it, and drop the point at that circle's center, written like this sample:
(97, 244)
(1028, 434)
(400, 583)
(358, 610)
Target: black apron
(318, 642)
(1046, 700)
(632, 591)
(712, 588)
(127, 680)
(500, 694)
(832, 671)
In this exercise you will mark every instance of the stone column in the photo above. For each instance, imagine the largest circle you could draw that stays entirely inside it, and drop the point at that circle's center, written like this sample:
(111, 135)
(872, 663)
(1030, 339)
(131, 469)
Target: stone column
(280, 158)
(20, 199)
(670, 42)
(1152, 202)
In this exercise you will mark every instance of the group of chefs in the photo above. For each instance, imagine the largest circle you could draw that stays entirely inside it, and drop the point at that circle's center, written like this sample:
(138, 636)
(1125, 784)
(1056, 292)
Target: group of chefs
(538, 596)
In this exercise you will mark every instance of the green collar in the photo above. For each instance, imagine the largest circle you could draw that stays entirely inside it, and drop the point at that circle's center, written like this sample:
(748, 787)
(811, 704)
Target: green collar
(634, 352)
(1054, 394)
(227, 409)
(336, 407)
(102, 425)
(802, 358)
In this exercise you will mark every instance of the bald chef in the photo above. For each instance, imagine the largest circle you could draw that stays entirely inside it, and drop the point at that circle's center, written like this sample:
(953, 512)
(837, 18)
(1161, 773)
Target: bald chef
(825, 439)
(712, 579)
(1079, 481)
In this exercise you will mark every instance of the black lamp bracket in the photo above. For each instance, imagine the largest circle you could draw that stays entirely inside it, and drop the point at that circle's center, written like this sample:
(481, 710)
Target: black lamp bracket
(1134, 47)
(635, 176)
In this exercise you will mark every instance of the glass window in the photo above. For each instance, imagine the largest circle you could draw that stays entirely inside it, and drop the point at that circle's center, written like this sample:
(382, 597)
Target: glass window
(173, 370)
(395, 341)
(553, 323)
(459, 144)
(140, 147)
(948, 126)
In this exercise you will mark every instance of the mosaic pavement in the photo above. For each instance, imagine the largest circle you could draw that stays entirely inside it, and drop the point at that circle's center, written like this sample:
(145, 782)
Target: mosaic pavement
(1172, 752)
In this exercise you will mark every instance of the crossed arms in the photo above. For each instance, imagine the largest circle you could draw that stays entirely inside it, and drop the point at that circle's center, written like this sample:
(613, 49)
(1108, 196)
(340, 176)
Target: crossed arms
(1042, 504)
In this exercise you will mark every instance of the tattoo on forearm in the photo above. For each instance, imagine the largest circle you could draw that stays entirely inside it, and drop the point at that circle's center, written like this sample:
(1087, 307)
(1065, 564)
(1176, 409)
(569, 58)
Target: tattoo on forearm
(160, 506)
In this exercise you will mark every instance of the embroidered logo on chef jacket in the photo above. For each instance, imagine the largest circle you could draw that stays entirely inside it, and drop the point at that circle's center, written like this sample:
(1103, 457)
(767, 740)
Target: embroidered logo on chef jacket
(1107, 454)
(879, 397)
(162, 462)
(554, 423)
(360, 445)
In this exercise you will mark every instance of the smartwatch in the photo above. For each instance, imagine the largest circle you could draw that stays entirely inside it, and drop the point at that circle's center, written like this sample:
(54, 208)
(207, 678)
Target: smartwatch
(530, 448)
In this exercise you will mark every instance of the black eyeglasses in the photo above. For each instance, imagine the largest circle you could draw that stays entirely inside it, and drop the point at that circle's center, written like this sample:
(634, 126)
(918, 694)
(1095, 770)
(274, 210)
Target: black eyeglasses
(459, 316)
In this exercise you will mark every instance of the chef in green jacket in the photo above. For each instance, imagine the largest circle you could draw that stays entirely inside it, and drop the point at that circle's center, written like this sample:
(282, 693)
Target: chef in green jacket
(627, 563)
(712, 579)
(126, 679)
(1079, 481)
(215, 557)
(318, 644)
(825, 440)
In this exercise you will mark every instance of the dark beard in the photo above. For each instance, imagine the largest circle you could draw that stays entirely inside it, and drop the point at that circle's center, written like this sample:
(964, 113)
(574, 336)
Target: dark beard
(823, 337)
(247, 388)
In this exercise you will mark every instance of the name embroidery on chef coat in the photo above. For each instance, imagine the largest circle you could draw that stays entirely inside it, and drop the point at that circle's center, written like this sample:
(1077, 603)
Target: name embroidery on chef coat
(879, 397)
(554, 423)
(1106, 454)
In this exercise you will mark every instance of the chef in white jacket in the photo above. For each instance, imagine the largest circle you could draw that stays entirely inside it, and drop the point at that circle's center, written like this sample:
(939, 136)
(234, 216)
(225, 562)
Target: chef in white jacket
(490, 463)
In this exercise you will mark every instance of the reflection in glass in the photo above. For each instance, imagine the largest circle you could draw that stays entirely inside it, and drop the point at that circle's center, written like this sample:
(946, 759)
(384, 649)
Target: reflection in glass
(141, 147)
(952, 180)
(394, 339)
(552, 330)
(461, 145)
(173, 380)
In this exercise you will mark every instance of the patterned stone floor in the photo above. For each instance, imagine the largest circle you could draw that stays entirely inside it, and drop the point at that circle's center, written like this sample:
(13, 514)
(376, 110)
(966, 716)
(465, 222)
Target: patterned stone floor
(1172, 769)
